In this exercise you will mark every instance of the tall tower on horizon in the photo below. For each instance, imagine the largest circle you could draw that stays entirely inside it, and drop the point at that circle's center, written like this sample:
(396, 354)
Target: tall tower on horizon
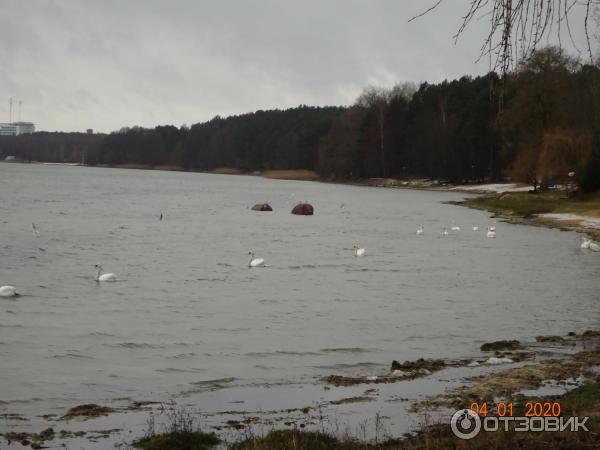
(10, 110)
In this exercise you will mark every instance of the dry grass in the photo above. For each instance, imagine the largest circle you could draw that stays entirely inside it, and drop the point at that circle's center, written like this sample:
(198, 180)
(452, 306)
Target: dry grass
(169, 167)
(301, 175)
(226, 171)
(133, 166)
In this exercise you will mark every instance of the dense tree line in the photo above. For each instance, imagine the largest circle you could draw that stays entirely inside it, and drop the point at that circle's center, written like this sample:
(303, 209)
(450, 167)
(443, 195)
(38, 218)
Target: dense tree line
(49, 147)
(536, 124)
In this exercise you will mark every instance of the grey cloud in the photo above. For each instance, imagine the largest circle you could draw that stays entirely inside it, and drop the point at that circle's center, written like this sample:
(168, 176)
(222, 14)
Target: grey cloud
(80, 64)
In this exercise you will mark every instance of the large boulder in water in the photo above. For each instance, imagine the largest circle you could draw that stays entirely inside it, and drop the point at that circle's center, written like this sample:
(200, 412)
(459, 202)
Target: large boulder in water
(262, 207)
(303, 209)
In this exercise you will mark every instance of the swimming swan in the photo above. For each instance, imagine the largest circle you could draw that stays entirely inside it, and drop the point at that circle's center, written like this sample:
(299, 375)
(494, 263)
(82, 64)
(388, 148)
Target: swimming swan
(8, 291)
(589, 244)
(585, 242)
(491, 233)
(106, 276)
(358, 251)
(255, 262)
(420, 230)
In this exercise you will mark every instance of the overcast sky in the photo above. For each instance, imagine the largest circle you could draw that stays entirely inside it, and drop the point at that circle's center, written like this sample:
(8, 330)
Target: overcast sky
(113, 63)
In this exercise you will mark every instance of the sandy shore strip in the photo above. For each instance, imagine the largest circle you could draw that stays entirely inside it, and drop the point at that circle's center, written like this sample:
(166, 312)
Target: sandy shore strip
(579, 220)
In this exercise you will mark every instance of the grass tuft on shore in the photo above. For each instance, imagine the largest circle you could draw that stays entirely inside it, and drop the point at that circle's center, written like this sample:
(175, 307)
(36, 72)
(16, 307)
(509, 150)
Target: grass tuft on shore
(180, 440)
(290, 440)
(182, 433)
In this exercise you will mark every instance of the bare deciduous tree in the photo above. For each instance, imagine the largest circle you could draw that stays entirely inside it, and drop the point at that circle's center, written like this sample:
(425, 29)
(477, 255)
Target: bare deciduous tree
(377, 99)
(518, 26)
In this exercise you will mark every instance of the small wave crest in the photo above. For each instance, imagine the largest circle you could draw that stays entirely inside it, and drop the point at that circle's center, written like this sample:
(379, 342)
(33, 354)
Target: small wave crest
(136, 345)
(73, 356)
(177, 370)
(346, 350)
(182, 355)
(280, 353)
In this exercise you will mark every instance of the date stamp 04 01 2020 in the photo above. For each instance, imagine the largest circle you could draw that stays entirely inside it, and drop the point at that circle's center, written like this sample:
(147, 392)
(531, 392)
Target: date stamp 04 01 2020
(537, 416)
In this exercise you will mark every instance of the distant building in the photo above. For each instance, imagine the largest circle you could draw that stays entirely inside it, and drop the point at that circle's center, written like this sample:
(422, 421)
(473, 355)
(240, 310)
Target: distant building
(89, 131)
(16, 128)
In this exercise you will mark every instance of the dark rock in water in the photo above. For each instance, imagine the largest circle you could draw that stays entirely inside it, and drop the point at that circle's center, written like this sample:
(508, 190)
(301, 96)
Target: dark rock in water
(571, 334)
(552, 340)
(47, 434)
(87, 411)
(357, 399)
(590, 334)
(500, 345)
(262, 207)
(303, 209)
(429, 364)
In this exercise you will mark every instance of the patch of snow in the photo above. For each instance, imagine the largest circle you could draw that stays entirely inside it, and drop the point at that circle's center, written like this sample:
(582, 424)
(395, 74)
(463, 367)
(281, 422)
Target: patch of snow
(497, 187)
(586, 221)
(493, 360)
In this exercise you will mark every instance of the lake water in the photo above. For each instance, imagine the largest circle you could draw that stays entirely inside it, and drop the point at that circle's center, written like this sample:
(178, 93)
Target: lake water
(187, 309)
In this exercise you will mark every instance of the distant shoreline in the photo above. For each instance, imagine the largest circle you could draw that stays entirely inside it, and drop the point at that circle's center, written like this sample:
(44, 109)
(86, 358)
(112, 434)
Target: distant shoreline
(494, 198)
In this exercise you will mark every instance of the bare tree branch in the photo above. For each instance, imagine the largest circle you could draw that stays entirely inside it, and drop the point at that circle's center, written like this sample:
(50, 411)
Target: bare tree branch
(517, 27)
(431, 8)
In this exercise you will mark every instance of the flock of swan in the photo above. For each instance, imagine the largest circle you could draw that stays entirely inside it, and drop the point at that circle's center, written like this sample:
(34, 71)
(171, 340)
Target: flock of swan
(588, 244)
(360, 251)
(491, 230)
(11, 291)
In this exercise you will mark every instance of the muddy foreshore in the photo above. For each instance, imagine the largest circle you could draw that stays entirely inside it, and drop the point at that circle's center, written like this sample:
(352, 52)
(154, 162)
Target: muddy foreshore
(506, 370)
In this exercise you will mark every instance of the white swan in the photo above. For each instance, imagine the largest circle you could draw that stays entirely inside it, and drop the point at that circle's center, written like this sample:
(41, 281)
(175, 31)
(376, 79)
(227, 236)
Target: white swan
(491, 233)
(594, 247)
(8, 291)
(445, 232)
(358, 251)
(585, 242)
(105, 276)
(34, 229)
(475, 228)
(420, 230)
(493, 227)
(455, 227)
(255, 262)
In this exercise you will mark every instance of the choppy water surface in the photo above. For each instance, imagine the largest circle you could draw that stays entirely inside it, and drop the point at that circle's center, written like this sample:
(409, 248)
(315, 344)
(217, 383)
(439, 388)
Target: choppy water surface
(187, 309)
